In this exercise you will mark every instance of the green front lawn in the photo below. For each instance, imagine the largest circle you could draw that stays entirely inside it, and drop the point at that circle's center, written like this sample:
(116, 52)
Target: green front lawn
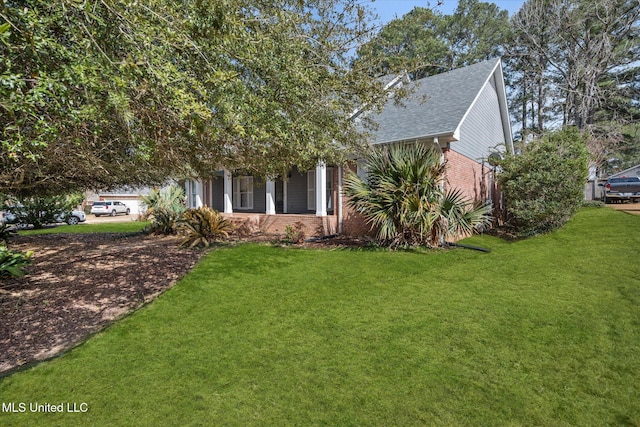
(544, 331)
(105, 227)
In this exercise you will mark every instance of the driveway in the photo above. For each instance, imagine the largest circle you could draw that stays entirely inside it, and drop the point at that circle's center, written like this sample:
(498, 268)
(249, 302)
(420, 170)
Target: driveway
(633, 208)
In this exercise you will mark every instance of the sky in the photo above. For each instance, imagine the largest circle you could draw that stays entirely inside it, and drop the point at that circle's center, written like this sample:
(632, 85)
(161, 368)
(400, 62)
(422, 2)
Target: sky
(390, 9)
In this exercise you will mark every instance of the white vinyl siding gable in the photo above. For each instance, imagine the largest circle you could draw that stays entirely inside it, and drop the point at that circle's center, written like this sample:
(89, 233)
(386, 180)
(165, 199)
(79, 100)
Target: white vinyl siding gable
(481, 130)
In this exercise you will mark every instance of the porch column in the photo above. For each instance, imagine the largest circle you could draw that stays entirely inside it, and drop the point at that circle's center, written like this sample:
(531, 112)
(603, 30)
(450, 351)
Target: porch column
(271, 197)
(321, 189)
(228, 192)
(197, 190)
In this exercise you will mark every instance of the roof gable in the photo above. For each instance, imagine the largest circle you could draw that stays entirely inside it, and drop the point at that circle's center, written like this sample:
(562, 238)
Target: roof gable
(437, 105)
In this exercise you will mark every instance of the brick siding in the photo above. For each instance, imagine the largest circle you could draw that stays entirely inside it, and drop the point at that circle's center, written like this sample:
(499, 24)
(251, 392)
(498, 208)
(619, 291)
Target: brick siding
(311, 225)
(471, 177)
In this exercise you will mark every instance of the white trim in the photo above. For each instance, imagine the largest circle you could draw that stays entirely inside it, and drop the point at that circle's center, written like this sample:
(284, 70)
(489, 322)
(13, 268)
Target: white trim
(270, 195)
(321, 192)
(501, 94)
(228, 191)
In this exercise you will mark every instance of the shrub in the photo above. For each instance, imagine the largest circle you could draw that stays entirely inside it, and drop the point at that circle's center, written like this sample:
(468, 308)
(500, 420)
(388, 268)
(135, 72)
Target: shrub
(6, 232)
(294, 233)
(543, 186)
(403, 198)
(12, 262)
(42, 210)
(203, 226)
(592, 204)
(164, 208)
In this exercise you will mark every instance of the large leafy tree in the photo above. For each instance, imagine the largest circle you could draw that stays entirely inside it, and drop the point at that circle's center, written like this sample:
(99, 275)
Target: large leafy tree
(412, 43)
(425, 42)
(404, 200)
(101, 93)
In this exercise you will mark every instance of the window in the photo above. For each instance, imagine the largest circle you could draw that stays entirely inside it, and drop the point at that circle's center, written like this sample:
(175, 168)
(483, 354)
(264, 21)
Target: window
(192, 193)
(361, 170)
(243, 192)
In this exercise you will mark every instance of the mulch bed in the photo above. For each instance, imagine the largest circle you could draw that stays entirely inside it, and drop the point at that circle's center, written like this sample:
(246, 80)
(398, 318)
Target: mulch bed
(78, 284)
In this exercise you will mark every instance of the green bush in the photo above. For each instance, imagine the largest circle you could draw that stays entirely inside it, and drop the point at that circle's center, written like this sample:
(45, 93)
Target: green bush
(164, 209)
(592, 204)
(294, 233)
(6, 232)
(12, 262)
(543, 186)
(41, 210)
(203, 226)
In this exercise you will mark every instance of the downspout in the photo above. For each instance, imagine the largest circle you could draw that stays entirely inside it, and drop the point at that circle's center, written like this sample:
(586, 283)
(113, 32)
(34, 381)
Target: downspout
(436, 142)
(339, 204)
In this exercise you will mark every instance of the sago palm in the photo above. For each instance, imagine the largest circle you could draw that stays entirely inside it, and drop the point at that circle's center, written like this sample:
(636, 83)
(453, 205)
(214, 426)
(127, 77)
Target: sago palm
(404, 201)
(202, 226)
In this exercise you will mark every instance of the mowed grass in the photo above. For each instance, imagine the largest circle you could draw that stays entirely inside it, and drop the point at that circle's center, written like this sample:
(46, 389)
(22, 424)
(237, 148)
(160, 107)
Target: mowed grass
(544, 331)
(106, 227)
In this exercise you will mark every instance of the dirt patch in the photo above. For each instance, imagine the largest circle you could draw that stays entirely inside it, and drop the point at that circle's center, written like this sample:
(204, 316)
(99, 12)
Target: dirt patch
(79, 283)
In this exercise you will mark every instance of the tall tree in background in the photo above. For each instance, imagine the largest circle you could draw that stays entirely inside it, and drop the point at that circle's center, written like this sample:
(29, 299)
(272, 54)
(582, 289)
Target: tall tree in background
(412, 43)
(424, 42)
(476, 31)
(103, 93)
(574, 62)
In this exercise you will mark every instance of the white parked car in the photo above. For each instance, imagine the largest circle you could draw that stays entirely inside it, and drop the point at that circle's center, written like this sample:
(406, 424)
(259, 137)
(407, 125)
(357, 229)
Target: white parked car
(109, 208)
(76, 217)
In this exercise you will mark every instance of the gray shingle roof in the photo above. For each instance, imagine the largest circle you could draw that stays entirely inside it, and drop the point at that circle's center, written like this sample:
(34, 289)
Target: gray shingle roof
(436, 106)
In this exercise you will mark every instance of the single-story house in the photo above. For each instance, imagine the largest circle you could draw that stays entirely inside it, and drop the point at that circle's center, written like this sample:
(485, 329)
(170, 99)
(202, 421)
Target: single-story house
(128, 196)
(463, 112)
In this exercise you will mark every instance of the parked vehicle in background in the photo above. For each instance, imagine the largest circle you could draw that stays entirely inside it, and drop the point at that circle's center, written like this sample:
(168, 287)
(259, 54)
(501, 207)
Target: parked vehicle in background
(622, 189)
(74, 217)
(109, 208)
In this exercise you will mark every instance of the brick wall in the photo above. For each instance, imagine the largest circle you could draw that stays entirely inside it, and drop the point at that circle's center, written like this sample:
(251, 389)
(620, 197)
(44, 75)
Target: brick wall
(471, 177)
(311, 225)
(353, 224)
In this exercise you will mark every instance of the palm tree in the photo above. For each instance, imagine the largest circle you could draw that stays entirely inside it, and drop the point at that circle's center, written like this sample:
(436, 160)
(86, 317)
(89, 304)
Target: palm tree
(403, 198)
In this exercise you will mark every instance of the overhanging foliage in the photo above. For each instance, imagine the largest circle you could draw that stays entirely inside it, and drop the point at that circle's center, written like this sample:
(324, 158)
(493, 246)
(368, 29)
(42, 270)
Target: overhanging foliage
(103, 93)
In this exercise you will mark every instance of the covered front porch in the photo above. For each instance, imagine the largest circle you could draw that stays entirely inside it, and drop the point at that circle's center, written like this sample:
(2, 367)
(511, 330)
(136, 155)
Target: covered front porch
(308, 200)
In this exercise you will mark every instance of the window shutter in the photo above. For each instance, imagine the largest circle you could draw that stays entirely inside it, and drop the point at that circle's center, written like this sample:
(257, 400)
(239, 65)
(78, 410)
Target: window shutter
(236, 192)
(311, 190)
